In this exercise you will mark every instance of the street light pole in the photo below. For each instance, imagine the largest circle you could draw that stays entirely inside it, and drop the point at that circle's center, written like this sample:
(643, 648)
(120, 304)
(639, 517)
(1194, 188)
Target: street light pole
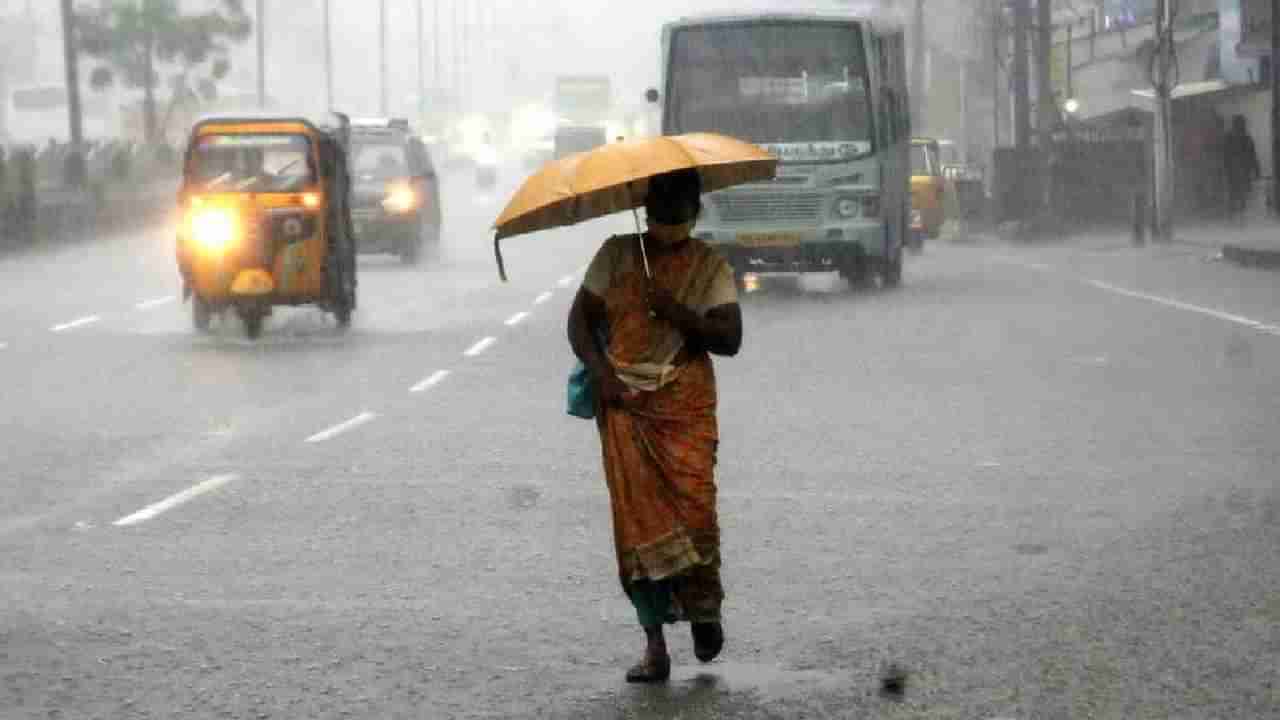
(261, 18)
(71, 59)
(1162, 82)
(435, 46)
(917, 91)
(382, 54)
(1275, 107)
(422, 67)
(328, 56)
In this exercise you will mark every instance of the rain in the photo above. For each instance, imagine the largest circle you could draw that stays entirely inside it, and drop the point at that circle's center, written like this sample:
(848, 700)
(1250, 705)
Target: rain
(680, 359)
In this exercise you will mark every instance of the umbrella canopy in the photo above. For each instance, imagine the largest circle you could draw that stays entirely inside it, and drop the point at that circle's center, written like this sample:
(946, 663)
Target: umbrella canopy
(614, 178)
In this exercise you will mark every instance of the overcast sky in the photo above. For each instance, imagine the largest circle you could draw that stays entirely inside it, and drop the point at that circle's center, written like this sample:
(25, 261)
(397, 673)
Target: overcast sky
(529, 44)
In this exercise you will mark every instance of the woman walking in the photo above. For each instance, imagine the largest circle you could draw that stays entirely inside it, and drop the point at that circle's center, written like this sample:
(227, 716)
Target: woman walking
(664, 309)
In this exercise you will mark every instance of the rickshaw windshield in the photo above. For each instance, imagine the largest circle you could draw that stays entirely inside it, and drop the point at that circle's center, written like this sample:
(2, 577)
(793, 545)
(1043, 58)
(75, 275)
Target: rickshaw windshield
(252, 163)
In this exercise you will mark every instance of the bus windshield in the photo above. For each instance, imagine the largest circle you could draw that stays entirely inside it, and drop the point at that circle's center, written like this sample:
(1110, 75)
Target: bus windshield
(253, 163)
(800, 88)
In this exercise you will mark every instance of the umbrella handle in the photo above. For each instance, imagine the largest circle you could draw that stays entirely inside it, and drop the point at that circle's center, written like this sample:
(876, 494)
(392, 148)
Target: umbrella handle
(497, 252)
(644, 255)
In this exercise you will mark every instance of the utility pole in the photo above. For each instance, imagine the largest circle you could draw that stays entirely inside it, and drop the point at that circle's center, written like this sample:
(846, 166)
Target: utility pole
(997, 45)
(467, 75)
(422, 66)
(328, 56)
(1021, 81)
(1275, 106)
(455, 44)
(261, 19)
(1047, 117)
(1046, 103)
(382, 57)
(435, 49)
(917, 91)
(1162, 81)
(71, 59)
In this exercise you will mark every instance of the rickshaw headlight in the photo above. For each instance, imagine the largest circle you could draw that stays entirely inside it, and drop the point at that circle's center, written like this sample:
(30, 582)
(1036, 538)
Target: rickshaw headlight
(213, 230)
(401, 199)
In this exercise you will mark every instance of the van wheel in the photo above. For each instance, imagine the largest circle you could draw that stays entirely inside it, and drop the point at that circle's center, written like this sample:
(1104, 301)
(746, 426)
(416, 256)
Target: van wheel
(411, 251)
(201, 313)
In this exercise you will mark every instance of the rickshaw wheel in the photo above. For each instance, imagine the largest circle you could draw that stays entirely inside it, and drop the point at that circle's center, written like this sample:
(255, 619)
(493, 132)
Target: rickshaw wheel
(252, 318)
(343, 316)
(201, 314)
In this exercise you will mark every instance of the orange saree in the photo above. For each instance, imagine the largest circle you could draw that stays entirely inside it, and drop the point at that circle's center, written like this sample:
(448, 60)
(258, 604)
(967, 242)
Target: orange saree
(659, 450)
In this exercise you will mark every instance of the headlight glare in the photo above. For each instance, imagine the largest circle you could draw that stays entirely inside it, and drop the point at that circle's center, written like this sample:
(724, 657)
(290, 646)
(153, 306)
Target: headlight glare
(400, 199)
(213, 230)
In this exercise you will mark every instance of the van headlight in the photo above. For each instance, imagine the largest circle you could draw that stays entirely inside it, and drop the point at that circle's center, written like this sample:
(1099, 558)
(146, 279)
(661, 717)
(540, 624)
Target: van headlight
(214, 230)
(400, 200)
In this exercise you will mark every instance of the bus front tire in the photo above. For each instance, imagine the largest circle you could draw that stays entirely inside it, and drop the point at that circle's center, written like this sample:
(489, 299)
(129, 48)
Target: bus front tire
(891, 271)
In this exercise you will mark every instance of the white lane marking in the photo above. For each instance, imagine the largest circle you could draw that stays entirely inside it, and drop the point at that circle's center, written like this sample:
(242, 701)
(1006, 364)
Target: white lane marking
(436, 378)
(173, 501)
(480, 347)
(1010, 260)
(342, 427)
(75, 324)
(1250, 323)
(542, 298)
(155, 302)
(517, 319)
(566, 281)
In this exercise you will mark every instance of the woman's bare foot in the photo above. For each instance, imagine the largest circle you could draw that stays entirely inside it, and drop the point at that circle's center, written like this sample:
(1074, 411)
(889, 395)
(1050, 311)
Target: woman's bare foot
(656, 665)
(708, 640)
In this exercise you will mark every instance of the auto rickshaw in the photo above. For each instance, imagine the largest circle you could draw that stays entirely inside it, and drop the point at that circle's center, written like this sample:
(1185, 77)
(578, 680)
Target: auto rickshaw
(266, 219)
(928, 190)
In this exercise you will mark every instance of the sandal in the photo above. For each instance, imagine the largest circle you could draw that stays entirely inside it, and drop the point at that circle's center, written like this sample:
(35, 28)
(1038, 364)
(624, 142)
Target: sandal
(708, 640)
(650, 671)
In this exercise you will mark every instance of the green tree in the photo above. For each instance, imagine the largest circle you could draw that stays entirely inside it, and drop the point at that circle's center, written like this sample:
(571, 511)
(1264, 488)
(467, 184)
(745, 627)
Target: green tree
(139, 42)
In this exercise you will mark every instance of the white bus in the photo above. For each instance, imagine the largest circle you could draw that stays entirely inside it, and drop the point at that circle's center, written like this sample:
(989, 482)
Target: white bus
(825, 93)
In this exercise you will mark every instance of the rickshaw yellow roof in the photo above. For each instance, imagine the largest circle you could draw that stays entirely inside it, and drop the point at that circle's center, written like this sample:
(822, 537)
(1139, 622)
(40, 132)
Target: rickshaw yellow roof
(265, 127)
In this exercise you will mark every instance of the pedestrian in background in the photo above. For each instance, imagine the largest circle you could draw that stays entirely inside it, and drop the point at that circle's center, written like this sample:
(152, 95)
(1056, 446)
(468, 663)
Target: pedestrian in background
(1240, 159)
(656, 412)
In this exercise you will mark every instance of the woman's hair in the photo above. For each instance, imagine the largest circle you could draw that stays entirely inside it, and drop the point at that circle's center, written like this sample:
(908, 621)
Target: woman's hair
(675, 195)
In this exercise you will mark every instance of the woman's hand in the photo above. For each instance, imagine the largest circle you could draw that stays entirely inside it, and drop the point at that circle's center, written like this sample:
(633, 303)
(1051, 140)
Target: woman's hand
(664, 306)
(613, 392)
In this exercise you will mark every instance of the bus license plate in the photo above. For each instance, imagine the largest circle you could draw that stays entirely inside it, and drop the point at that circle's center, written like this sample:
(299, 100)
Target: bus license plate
(769, 239)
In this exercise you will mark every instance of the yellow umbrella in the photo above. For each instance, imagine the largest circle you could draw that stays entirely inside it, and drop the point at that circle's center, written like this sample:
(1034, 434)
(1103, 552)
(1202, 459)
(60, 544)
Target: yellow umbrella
(614, 178)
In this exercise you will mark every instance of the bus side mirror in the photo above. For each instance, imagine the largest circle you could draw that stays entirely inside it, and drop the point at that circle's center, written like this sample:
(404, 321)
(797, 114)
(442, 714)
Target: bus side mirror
(652, 95)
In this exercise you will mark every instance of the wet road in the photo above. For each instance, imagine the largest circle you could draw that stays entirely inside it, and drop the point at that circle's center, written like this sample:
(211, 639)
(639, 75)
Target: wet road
(1043, 480)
